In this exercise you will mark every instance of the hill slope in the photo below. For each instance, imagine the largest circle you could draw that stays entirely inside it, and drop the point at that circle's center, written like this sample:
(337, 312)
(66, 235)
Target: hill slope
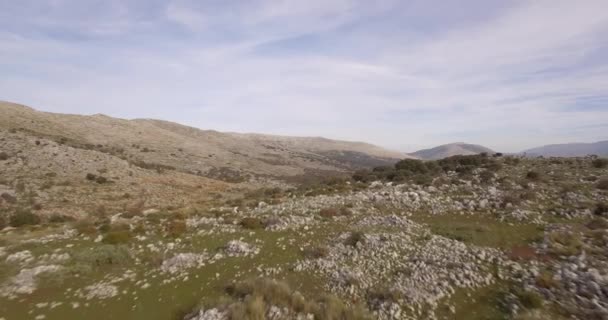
(599, 148)
(195, 151)
(448, 150)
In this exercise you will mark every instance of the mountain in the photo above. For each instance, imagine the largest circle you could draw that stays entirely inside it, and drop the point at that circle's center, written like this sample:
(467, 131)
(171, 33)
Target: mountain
(72, 164)
(195, 151)
(448, 150)
(599, 148)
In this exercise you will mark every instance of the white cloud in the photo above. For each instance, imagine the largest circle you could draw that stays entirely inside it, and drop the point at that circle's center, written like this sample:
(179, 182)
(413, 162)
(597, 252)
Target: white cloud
(364, 74)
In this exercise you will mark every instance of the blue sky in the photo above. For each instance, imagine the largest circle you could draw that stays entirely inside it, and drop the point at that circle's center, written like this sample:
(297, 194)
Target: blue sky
(403, 74)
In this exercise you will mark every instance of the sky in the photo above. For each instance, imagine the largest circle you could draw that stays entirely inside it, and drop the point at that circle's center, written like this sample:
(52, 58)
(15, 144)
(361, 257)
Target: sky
(506, 74)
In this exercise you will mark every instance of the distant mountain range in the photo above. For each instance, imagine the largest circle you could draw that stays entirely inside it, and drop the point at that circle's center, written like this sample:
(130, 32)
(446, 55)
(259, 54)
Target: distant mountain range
(599, 148)
(448, 150)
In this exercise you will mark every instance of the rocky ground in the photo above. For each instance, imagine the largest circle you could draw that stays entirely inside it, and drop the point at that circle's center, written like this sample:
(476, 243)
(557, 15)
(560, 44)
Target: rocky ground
(505, 239)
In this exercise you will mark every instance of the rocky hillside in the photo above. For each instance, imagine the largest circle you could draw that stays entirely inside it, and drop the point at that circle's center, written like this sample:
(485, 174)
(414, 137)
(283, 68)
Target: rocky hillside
(448, 150)
(227, 156)
(599, 148)
(476, 238)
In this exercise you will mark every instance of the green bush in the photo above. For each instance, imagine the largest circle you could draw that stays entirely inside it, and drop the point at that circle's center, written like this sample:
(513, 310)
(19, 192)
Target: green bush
(533, 175)
(354, 238)
(58, 218)
(252, 223)
(23, 217)
(85, 226)
(117, 237)
(176, 228)
(105, 254)
(530, 299)
(252, 299)
(600, 163)
(412, 166)
(601, 209)
(101, 180)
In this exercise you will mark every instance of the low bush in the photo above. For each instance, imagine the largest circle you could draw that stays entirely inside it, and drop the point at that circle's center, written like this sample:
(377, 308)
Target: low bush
(91, 177)
(601, 209)
(530, 299)
(252, 299)
(355, 238)
(533, 175)
(59, 218)
(8, 198)
(600, 163)
(117, 237)
(3, 156)
(316, 252)
(252, 223)
(23, 217)
(101, 180)
(102, 255)
(176, 228)
(334, 212)
(378, 296)
(598, 224)
(545, 280)
(602, 184)
(85, 227)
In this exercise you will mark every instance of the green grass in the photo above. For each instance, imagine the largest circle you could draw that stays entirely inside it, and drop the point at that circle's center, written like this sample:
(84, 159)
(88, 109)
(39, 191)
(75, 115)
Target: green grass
(480, 230)
(167, 301)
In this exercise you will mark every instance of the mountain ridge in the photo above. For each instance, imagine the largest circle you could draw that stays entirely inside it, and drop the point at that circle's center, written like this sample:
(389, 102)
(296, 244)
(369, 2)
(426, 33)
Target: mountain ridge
(450, 149)
(574, 149)
(194, 150)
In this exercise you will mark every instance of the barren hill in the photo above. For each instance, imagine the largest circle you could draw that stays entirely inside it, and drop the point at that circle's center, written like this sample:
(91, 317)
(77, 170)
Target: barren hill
(191, 150)
(448, 150)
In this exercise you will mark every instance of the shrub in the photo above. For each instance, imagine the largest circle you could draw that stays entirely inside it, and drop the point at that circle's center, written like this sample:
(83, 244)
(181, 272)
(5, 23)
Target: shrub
(251, 223)
(91, 177)
(486, 176)
(602, 184)
(85, 226)
(117, 237)
(377, 296)
(134, 209)
(23, 217)
(545, 280)
(598, 224)
(354, 238)
(530, 299)
(8, 198)
(101, 180)
(364, 176)
(533, 175)
(254, 297)
(334, 212)
(600, 163)
(57, 218)
(105, 254)
(316, 252)
(412, 166)
(176, 228)
(3, 156)
(601, 209)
